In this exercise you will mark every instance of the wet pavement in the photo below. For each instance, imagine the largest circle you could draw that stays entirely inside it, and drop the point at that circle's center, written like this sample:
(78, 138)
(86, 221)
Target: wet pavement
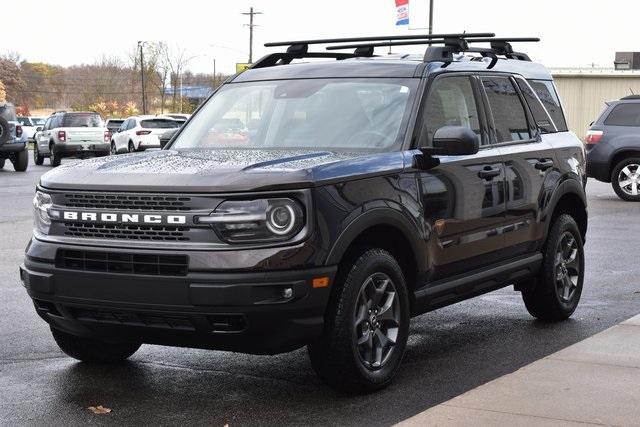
(450, 351)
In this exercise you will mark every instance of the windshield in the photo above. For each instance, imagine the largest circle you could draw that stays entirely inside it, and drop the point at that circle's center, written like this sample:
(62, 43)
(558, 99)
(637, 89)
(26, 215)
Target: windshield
(37, 121)
(332, 114)
(78, 120)
(159, 124)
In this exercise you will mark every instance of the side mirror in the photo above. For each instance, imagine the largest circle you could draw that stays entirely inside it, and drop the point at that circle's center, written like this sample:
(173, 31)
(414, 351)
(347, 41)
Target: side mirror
(453, 141)
(39, 129)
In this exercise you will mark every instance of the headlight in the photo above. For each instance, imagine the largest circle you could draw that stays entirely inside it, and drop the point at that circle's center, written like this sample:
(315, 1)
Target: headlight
(264, 220)
(41, 205)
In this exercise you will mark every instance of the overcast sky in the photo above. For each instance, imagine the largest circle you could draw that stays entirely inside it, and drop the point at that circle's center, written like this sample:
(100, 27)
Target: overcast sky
(574, 33)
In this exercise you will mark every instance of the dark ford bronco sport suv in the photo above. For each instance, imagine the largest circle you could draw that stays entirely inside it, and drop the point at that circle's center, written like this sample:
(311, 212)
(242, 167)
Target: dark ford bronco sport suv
(321, 204)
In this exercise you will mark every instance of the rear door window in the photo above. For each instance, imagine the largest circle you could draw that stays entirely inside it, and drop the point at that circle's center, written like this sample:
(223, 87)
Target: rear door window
(624, 115)
(509, 117)
(547, 94)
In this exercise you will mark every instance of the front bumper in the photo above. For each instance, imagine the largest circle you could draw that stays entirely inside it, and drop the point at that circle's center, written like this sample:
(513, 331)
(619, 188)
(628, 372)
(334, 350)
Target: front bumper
(250, 312)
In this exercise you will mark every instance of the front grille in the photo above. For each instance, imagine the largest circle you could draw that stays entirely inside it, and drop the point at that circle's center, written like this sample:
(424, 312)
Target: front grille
(126, 232)
(128, 202)
(111, 262)
(130, 318)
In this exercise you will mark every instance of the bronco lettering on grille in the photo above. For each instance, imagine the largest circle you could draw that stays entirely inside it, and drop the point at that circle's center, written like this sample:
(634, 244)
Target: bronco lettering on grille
(124, 218)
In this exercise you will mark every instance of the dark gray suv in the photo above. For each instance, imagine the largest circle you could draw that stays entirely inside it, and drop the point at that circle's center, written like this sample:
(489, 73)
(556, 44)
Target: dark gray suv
(613, 147)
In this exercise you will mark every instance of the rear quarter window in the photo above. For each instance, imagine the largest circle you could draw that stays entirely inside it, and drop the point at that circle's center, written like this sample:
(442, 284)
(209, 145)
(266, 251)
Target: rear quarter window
(547, 94)
(624, 115)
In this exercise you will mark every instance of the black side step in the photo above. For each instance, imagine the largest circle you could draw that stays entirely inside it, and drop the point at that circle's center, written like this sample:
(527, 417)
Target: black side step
(459, 288)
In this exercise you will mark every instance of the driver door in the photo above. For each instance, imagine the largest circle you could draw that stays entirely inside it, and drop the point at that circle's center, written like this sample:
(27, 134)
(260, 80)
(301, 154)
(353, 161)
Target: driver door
(463, 197)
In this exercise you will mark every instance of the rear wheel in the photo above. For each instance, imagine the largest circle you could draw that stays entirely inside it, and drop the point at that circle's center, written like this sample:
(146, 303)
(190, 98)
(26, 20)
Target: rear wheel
(93, 350)
(131, 147)
(2, 163)
(625, 179)
(114, 150)
(21, 161)
(54, 158)
(556, 292)
(38, 158)
(367, 325)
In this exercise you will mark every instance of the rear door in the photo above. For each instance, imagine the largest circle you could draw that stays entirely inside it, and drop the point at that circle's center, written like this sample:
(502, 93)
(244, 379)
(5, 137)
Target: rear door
(463, 196)
(530, 160)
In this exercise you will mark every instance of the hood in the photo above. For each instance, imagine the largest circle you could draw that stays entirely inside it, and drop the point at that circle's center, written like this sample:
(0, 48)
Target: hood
(217, 170)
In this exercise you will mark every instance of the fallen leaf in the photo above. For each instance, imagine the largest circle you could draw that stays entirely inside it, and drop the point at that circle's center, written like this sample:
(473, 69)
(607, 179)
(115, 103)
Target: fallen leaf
(99, 409)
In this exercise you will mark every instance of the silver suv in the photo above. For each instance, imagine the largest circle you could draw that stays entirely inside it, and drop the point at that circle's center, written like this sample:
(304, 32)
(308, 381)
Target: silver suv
(71, 134)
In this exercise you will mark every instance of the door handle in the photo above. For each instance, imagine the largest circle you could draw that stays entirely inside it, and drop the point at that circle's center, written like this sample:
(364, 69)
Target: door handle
(543, 164)
(488, 173)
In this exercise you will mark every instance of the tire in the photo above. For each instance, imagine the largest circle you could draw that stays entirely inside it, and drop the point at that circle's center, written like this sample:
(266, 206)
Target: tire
(336, 356)
(38, 159)
(4, 131)
(54, 158)
(2, 163)
(131, 148)
(627, 172)
(21, 162)
(556, 292)
(114, 150)
(93, 350)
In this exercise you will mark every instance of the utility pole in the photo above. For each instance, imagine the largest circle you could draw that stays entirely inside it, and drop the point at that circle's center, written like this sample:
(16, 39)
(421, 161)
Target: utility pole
(144, 100)
(251, 13)
(430, 16)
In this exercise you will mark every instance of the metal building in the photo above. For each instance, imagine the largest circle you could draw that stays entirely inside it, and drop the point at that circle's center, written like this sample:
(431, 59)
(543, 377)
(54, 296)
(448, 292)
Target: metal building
(585, 91)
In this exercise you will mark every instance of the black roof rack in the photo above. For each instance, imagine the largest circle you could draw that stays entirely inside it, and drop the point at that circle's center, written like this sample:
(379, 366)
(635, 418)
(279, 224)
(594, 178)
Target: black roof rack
(630, 97)
(364, 47)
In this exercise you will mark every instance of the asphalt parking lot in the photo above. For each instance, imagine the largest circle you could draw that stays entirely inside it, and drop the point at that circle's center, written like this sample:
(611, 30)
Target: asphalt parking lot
(450, 351)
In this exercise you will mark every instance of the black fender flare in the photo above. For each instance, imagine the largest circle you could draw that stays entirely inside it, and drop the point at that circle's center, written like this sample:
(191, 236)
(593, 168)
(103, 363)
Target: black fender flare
(568, 186)
(376, 217)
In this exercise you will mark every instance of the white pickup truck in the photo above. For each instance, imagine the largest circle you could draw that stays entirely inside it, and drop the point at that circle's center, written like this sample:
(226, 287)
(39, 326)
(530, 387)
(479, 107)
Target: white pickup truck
(71, 134)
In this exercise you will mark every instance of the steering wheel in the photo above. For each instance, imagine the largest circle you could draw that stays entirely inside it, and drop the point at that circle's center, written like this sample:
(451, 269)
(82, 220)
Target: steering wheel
(381, 139)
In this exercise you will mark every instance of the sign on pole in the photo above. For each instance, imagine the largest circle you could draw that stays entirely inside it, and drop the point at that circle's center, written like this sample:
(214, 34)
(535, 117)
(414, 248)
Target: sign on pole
(402, 10)
(242, 66)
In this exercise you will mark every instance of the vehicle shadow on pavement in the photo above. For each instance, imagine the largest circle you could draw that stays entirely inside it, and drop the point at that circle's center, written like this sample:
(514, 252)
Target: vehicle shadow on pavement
(445, 358)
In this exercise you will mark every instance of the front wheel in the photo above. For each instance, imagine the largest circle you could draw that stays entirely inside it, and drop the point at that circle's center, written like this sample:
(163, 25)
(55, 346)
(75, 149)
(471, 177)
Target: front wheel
(367, 325)
(625, 179)
(93, 350)
(555, 294)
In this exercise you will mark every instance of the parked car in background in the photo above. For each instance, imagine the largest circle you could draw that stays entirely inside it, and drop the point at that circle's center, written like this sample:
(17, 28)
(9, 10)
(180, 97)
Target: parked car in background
(30, 126)
(139, 133)
(12, 147)
(166, 136)
(71, 134)
(113, 125)
(613, 147)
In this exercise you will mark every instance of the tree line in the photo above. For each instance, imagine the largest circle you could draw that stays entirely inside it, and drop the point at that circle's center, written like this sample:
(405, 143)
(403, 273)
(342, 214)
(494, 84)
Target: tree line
(111, 86)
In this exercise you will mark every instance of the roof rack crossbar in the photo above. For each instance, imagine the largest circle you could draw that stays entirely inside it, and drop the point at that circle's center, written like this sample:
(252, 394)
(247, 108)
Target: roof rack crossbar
(379, 38)
(283, 58)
